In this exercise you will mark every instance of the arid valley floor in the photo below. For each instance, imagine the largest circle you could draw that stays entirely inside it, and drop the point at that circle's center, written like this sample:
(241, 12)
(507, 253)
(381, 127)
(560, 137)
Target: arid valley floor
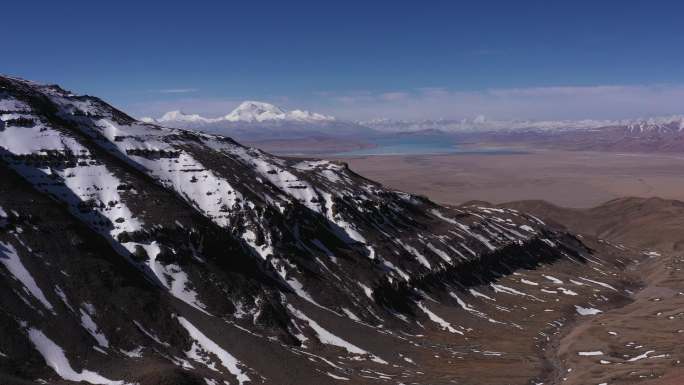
(565, 178)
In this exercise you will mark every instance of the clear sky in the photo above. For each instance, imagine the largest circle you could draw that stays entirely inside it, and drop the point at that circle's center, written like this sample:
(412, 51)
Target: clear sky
(358, 59)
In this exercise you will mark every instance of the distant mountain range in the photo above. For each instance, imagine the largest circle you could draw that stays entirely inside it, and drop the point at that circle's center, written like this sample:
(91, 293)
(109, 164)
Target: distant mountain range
(264, 114)
(659, 134)
(267, 126)
(668, 124)
(284, 131)
(247, 112)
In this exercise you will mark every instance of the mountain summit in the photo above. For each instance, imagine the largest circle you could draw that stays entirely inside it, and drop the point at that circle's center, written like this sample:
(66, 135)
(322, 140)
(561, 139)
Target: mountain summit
(251, 111)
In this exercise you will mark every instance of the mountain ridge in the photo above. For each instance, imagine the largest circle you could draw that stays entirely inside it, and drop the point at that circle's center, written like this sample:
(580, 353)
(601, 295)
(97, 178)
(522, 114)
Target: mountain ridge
(209, 261)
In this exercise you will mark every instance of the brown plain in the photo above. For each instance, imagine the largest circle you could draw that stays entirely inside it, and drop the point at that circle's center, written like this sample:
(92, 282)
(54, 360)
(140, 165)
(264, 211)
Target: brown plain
(565, 178)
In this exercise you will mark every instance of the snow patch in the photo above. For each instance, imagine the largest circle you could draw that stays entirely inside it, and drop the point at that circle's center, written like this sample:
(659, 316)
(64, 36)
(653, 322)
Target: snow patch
(90, 326)
(10, 259)
(437, 319)
(201, 341)
(587, 310)
(337, 377)
(56, 359)
(328, 338)
(592, 353)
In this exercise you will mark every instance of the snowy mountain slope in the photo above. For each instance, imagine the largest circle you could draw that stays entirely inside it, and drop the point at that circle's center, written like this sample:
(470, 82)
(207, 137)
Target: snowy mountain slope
(192, 254)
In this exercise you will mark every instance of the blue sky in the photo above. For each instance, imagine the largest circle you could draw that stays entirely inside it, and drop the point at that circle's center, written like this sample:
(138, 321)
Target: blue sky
(359, 59)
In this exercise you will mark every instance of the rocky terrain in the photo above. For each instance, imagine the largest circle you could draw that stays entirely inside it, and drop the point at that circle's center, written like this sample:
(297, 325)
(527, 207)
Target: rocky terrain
(131, 253)
(640, 343)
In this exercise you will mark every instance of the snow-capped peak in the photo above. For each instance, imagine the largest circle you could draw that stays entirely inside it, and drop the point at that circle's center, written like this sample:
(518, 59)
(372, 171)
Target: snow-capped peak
(179, 116)
(673, 123)
(307, 116)
(252, 111)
